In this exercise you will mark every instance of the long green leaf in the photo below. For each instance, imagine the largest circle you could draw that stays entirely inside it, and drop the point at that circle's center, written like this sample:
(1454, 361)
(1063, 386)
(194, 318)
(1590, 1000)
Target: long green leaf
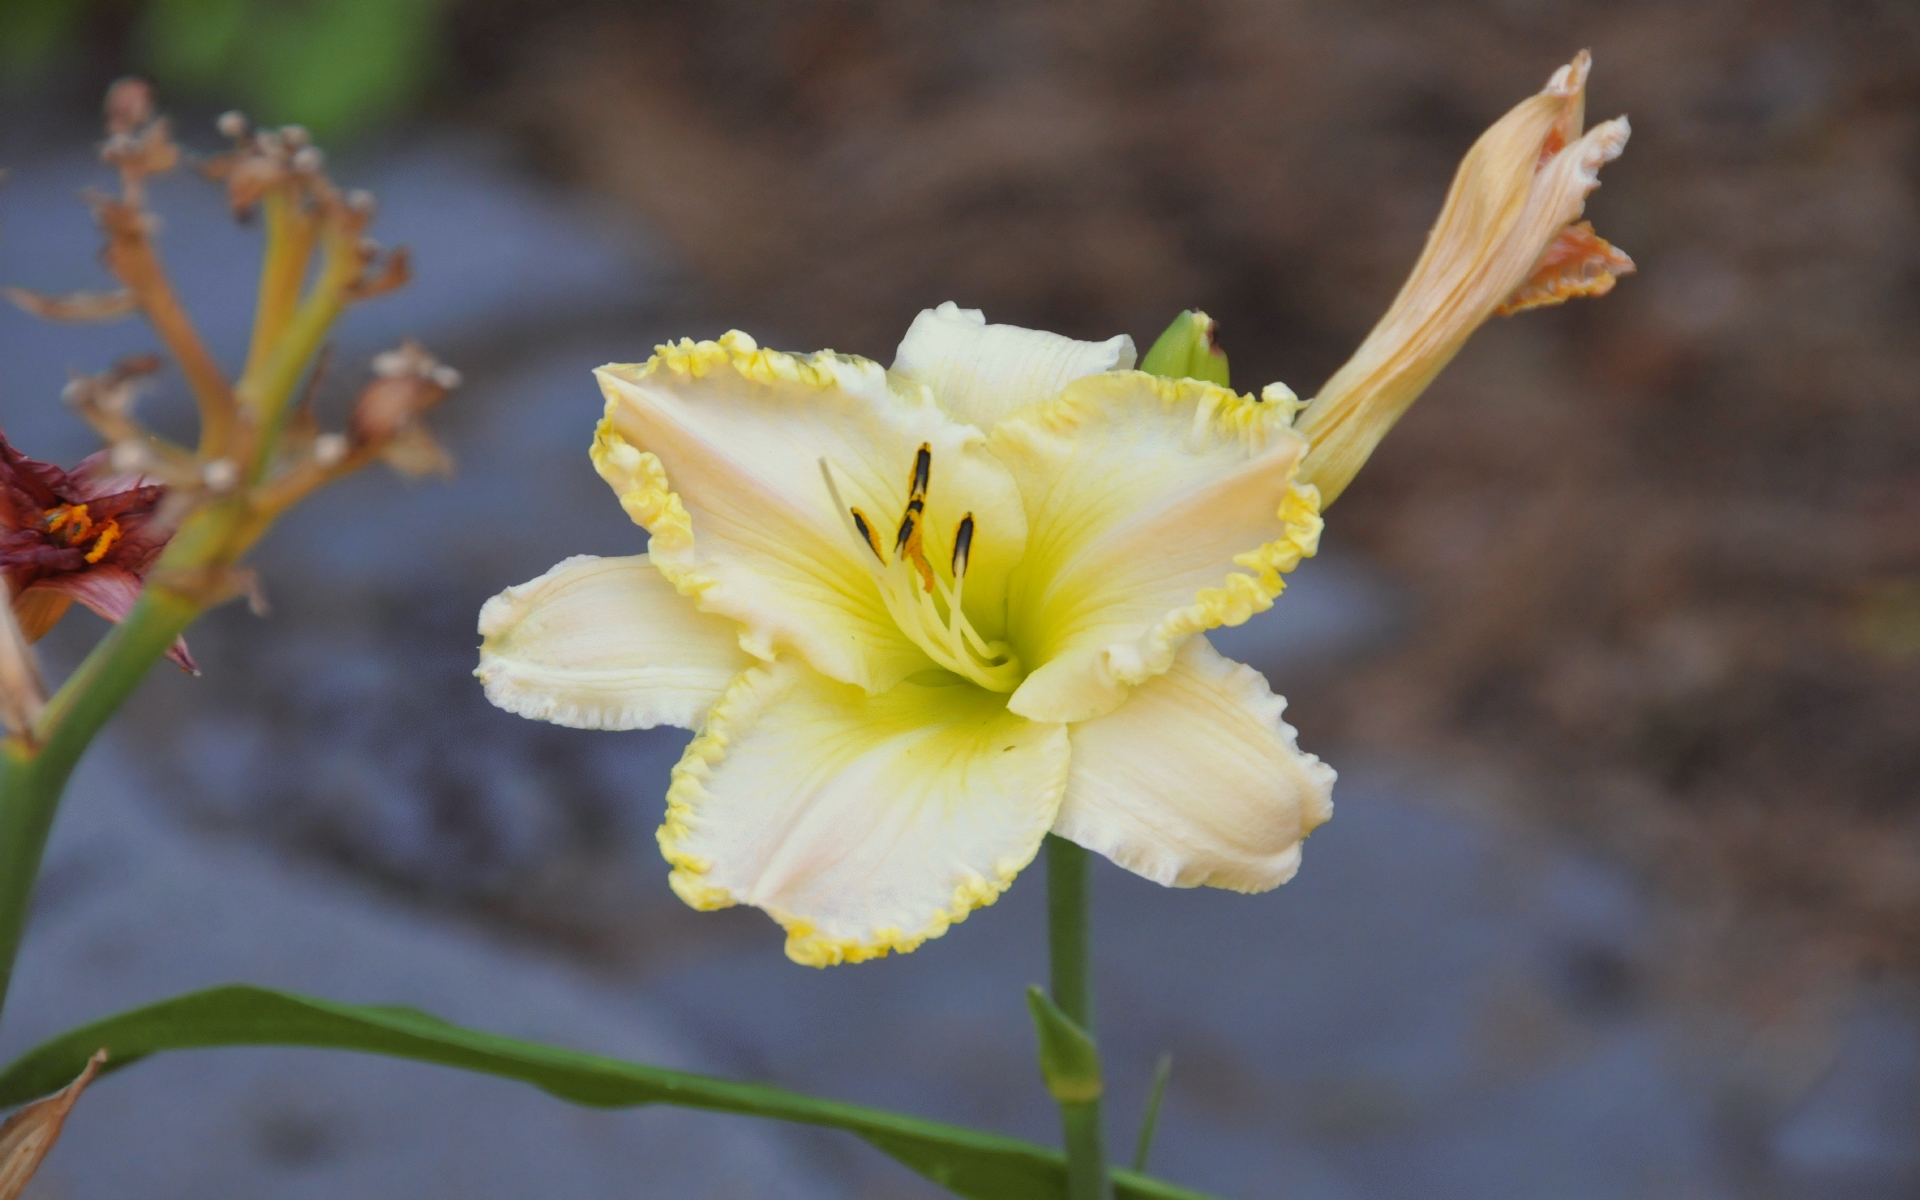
(981, 1166)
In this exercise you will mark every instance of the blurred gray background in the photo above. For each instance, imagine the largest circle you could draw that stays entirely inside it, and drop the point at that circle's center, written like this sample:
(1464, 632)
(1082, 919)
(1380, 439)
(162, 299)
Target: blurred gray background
(1616, 644)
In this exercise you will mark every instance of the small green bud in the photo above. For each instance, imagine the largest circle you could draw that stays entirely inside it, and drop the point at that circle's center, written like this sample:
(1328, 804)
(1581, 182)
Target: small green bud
(1187, 351)
(1069, 1061)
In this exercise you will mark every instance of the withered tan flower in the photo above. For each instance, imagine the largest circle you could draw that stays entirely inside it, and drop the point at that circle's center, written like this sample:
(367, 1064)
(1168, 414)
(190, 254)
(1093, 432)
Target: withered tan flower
(1506, 241)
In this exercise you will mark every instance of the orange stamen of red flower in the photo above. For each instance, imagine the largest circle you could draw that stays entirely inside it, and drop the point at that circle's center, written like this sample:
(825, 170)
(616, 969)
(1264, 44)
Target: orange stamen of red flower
(75, 524)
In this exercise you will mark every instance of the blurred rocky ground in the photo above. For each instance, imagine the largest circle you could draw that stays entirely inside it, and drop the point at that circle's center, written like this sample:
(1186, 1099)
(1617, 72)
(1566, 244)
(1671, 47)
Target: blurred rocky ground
(1614, 643)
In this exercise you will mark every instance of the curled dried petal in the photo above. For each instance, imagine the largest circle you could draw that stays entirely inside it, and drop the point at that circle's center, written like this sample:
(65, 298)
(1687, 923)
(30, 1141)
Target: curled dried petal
(22, 695)
(74, 306)
(1579, 262)
(30, 1133)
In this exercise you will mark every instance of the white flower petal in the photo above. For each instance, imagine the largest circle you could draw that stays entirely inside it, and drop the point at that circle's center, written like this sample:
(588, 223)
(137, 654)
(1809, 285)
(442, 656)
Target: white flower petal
(981, 372)
(1196, 780)
(1157, 509)
(605, 643)
(863, 824)
(717, 448)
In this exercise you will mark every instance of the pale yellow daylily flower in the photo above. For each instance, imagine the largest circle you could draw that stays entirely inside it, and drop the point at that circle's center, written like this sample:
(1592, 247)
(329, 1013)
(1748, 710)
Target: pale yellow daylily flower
(1505, 241)
(923, 616)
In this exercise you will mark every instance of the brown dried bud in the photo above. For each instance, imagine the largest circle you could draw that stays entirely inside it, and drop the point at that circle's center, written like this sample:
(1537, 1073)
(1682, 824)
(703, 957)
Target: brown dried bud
(391, 274)
(151, 152)
(407, 383)
(129, 106)
(386, 418)
(139, 142)
(248, 178)
(268, 159)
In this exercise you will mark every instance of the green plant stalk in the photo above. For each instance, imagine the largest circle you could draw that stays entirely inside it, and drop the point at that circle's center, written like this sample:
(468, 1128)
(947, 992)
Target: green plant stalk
(268, 391)
(1071, 976)
(33, 777)
(34, 772)
(290, 236)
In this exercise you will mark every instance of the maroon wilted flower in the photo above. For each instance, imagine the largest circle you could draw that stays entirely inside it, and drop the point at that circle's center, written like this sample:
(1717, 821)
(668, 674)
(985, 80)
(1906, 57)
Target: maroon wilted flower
(86, 534)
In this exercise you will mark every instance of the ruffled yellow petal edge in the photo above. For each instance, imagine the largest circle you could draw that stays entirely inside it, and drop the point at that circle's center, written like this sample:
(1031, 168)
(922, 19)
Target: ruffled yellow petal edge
(736, 712)
(1241, 596)
(1233, 602)
(638, 477)
(1218, 413)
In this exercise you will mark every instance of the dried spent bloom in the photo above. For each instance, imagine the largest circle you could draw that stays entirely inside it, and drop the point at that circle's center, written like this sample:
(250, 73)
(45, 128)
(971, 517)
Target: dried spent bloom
(261, 448)
(1505, 241)
(88, 534)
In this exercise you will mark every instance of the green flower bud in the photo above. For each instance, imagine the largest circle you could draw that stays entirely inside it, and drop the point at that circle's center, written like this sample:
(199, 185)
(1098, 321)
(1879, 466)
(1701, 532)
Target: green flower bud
(1187, 351)
(1069, 1062)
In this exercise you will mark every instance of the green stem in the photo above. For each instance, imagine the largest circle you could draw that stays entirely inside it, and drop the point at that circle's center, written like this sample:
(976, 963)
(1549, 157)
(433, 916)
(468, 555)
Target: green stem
(268, 391)
(1071, 960)
(32, 778)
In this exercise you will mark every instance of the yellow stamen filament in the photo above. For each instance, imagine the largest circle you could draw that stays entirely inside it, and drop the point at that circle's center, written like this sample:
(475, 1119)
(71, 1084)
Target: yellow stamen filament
(927, 608)
(909, 548)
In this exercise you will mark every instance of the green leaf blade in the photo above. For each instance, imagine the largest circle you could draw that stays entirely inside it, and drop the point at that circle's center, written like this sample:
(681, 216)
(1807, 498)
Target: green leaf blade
(1155, 1094)
(980, 1166)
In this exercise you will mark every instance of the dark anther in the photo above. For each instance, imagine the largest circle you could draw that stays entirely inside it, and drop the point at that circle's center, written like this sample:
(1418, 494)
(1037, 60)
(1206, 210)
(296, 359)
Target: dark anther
(906, 531)
(962, 545)
(866, 531)
(922, 471)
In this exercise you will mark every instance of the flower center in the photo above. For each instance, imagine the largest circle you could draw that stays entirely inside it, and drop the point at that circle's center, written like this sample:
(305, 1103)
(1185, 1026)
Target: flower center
(73, 525)
(926, 605)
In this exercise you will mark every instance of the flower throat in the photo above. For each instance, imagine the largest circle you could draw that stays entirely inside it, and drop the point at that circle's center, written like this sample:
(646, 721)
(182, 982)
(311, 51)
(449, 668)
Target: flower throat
(928, 608)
